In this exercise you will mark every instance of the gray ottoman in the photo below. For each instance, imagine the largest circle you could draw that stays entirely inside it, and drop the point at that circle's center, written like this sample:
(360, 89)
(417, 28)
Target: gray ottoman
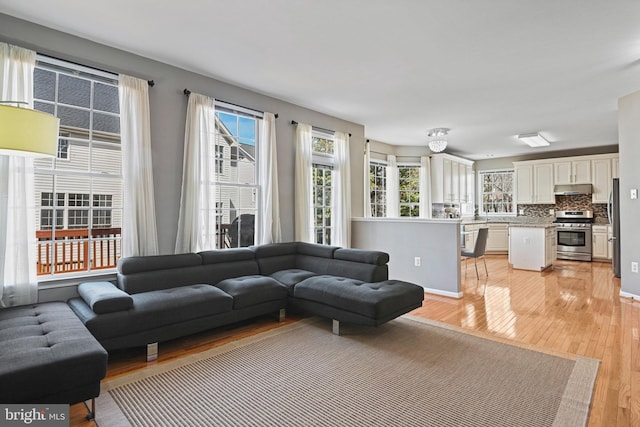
(48, 356)
(355, 301)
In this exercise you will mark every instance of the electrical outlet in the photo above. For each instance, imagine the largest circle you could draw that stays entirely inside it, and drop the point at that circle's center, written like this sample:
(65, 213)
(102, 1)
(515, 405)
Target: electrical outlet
(634, 193)
(634, 267)
(417, 261)
(551, 211)
(521, 212)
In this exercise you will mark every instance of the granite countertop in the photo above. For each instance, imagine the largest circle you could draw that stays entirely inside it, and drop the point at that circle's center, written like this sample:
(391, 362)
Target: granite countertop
(532, 225)
(511, 220)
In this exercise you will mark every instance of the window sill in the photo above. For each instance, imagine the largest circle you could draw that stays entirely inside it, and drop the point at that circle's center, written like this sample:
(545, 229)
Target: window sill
(63, 281)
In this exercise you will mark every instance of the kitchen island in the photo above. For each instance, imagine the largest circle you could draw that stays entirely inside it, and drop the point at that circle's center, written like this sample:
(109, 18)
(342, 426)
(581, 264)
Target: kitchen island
(532, 246)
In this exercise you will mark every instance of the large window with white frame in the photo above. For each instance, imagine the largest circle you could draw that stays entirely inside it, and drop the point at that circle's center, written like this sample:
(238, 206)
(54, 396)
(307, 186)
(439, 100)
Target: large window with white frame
(78, 194)
(237, 191)
(378, 188)
(322, 178)
(409, 185)
(496, 192)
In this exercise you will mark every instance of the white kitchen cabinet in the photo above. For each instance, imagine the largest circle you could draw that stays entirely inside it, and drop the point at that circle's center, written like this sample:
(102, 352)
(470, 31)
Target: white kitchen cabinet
(524, 184)
(532, 248)
(572, 172)
(543, 183)
(448, 173)
(600, 242)
(498, 238)
(615, 167)
(551, 246)
(601, 176)
(467, 189)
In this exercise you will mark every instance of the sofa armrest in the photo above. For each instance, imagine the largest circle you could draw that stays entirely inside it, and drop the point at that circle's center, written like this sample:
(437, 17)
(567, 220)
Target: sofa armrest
(104, 297)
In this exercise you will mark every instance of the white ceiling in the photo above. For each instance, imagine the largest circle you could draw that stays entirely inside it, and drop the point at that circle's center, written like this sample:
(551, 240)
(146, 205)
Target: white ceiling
(488, 69)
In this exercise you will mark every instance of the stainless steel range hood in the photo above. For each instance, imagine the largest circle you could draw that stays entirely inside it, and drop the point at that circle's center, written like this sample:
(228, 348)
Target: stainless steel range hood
(572, 189)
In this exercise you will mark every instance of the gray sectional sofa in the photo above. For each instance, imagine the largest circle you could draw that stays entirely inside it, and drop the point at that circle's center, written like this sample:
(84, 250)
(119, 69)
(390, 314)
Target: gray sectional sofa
(157, 298)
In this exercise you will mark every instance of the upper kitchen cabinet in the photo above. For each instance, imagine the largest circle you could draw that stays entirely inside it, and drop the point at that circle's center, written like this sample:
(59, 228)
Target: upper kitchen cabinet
(572, 172)
(603, 169)
(451, 180)
(535, 179)
(534, 182)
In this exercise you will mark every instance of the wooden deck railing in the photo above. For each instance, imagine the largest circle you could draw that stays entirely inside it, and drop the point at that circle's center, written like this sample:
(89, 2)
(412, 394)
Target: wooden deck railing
(72, 250)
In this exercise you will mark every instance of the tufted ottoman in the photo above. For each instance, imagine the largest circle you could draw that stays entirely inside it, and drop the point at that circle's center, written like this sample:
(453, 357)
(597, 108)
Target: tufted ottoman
(355, 301)
(48, 356)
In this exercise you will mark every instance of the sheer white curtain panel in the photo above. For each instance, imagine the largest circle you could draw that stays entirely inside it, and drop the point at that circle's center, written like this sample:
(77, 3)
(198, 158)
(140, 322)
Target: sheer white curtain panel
(425, 187)
(270, 231)
(303, 188)
(367, 180)
(197, 218)
(341, 183)
(18, 278)
(393, 187)
(139, 231)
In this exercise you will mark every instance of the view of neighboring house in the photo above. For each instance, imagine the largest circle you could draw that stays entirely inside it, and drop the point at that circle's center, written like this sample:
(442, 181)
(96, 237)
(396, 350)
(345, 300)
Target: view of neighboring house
(79, 194)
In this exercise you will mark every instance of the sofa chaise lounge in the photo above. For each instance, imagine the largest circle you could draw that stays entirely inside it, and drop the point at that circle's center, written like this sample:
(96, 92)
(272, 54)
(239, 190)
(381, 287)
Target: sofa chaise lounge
(48, 356)
(157, 298)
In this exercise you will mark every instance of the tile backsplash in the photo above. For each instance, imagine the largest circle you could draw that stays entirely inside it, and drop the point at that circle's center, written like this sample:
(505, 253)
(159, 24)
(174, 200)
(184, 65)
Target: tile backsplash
(566, 203)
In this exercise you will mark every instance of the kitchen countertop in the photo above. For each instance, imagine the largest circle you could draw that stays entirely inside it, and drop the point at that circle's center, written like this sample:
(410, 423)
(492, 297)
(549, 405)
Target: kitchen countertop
(532, 225)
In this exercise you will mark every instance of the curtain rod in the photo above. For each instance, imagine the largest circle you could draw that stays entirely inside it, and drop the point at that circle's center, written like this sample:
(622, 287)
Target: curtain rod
(52, 60)
(293, 122)
(187, 92)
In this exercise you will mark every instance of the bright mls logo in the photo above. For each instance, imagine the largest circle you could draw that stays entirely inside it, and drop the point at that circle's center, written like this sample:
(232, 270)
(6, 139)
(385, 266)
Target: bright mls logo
(34, 415)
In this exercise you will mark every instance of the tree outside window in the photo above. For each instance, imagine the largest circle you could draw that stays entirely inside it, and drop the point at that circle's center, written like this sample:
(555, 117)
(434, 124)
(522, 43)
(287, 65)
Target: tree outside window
(409, 183)
(497, 192)
(378, 189)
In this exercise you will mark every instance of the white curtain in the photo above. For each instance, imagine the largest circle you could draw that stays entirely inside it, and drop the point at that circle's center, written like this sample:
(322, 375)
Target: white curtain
(393, 187)
(18, 281)
(425, 187)
(268, 178)
(367, 180)
(197, 219)
(303, 188)
(341, 189)
(139, 231)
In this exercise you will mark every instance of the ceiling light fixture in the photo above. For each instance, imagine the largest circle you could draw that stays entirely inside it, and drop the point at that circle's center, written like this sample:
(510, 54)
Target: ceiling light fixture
(27, 132)
(438, 140)
(533, 139)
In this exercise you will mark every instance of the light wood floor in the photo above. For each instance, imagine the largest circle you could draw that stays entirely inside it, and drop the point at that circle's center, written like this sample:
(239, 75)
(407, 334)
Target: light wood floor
(573, 308)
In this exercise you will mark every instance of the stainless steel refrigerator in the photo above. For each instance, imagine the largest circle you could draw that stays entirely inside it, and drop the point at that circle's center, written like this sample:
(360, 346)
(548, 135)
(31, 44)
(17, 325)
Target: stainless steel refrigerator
(613, 211)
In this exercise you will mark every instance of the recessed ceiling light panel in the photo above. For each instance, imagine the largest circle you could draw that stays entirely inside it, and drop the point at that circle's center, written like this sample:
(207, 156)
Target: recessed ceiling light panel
(533, 139)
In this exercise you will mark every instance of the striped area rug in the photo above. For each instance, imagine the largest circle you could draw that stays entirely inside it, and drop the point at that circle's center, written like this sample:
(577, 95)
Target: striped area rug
(408, 372)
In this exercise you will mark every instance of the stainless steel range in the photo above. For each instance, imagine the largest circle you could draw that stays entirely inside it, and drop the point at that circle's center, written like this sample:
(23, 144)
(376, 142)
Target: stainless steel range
(574, 235)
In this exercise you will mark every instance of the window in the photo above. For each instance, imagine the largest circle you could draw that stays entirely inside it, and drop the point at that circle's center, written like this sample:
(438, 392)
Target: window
(321, 179)
(409, 183)
(235, 181)
(496, 190)
(85, 177)
(378, 189)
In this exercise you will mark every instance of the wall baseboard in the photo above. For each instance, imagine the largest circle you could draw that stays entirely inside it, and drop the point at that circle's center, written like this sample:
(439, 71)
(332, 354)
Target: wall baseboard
(443, 293)
(629, 295)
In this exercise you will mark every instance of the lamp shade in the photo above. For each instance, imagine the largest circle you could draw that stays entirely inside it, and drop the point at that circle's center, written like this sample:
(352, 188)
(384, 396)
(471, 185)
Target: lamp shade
(27, 132)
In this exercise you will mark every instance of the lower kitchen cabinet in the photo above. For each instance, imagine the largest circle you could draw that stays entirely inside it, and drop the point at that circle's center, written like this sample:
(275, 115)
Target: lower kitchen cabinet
(497, 240)
(601, 247)
(532, 248)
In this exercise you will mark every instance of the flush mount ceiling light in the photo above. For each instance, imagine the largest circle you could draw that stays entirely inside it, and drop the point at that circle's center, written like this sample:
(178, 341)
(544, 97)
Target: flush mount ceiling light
(27, 132)
(533, 139)
(438, 139)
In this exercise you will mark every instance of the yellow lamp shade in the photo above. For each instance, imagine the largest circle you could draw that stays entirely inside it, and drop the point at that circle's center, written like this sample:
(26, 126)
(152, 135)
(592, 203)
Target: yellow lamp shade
(27, 132)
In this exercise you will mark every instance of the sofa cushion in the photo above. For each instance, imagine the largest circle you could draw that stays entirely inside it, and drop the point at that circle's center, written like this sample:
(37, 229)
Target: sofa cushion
(104, 297)
(46, 354)
(292, 277)
(374, 300)
(361, 255)
(252, 290)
